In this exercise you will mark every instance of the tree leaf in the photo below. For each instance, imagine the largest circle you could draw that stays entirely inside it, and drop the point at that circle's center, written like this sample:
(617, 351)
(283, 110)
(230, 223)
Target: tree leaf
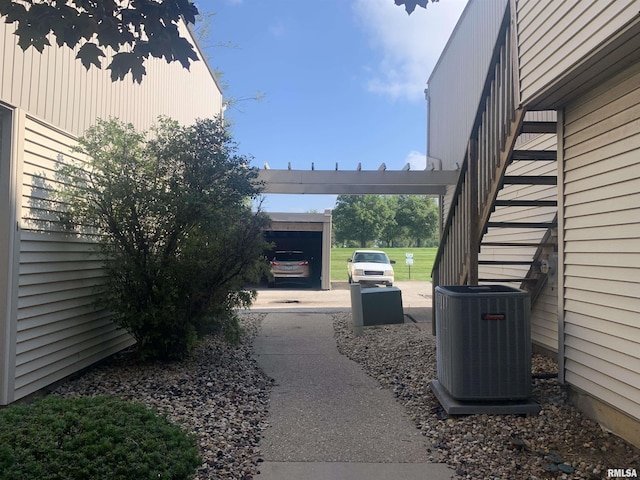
(13, 12)
(124, 63)
(89, 54)
(31, 36)
(118, 25)
(183, 52)
(410, 5)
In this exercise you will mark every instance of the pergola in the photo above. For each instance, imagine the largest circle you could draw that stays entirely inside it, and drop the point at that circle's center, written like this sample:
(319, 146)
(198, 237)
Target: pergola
(316, 228)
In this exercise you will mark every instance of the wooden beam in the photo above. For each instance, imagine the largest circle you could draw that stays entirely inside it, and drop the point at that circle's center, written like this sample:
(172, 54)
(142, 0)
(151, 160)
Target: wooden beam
(475, 229)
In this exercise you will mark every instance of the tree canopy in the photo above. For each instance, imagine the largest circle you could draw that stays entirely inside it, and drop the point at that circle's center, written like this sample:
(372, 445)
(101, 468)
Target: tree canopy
(135, 30)
(395, 220)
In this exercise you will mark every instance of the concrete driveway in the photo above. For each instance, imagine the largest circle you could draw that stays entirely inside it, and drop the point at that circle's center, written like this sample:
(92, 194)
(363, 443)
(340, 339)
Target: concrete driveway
(416, 299)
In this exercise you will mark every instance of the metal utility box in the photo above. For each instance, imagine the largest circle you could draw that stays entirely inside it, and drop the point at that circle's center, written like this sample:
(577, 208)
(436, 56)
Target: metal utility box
(483, 340)
(381, 306)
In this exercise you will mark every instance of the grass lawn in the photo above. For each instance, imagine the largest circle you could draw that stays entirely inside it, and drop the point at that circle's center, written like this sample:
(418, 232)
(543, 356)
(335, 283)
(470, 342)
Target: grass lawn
(420, 270)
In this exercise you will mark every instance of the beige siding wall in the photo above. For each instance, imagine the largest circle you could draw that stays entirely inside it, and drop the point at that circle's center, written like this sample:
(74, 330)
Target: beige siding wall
(58, 329)
(554, 37)
(544, 319)
(601, 234)
(52, 325)
(56, 88)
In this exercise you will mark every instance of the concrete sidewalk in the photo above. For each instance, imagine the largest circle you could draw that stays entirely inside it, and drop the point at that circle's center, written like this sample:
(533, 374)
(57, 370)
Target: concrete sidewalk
(328, 419)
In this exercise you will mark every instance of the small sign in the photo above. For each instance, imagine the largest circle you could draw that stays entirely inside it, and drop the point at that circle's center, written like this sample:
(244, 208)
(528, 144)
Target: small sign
(409, 258)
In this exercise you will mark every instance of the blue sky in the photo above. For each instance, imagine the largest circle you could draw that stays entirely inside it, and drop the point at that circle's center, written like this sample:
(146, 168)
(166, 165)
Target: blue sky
(343, 81)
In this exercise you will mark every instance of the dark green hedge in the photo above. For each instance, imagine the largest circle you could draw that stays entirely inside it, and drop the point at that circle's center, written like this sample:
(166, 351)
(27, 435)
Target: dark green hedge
(92, 438)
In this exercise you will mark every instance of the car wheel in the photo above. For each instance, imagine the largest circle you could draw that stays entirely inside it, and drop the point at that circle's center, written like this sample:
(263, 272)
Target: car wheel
(350, 279)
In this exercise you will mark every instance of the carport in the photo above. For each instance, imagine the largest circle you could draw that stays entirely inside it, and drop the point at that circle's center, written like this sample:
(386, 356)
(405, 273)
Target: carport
(311, 232)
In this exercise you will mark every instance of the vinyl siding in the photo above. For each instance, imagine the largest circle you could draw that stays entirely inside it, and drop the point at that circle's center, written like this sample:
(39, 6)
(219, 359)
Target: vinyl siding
(544, 319)
(59, 331)
(555, 39)
(56, 88)
(54, 327)
(601, 172)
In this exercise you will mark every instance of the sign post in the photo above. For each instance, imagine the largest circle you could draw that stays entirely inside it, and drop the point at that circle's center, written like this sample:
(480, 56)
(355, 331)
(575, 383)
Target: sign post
(409, 260)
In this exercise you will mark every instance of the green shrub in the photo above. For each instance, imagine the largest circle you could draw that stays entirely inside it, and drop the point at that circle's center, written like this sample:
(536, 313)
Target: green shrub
(92, 438)
(171, 212)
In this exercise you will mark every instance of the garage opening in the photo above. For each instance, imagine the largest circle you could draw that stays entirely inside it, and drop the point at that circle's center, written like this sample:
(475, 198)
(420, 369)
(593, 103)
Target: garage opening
(308, 233)
(310, 243)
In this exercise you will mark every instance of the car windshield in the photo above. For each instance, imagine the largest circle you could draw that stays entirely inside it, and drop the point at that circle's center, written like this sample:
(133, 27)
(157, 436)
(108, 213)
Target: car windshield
(289, 256)
(371, 257)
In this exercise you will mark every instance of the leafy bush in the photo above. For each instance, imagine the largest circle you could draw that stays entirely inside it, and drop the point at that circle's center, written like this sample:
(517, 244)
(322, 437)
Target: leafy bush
(171, 209)
(92, 438)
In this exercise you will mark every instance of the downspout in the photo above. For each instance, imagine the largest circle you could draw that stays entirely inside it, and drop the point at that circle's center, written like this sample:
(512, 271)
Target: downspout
(560, 263)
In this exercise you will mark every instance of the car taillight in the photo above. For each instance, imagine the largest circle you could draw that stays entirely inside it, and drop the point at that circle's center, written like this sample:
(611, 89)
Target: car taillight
(304, 263)
(274, 264)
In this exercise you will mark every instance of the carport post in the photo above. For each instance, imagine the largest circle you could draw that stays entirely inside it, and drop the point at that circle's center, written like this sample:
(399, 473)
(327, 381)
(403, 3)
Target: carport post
(356, 309)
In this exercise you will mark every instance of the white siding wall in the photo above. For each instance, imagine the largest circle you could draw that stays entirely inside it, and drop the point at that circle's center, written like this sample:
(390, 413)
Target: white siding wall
(601, 234)
(554, 37)
(58, 329)
(56, 88)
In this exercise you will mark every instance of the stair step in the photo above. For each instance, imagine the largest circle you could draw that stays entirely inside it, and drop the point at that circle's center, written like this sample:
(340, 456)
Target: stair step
(539, 127)
(506, 280)
(522, 224)
(541, 155)
(530, 180)
(507, 262)
(526, 203)
(517, 244)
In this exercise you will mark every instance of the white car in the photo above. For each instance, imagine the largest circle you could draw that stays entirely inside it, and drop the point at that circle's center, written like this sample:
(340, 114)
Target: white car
(370, 267)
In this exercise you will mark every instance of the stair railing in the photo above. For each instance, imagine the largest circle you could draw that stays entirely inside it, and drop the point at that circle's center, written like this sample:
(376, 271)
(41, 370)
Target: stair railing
(487, 156)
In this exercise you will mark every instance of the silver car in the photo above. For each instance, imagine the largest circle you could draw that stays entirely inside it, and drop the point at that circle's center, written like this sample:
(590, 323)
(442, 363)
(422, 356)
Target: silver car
(289, 265)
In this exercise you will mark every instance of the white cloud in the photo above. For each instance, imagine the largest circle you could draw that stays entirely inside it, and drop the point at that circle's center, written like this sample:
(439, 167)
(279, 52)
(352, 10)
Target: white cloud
(408, 47)
(416, 160)
(277, 29)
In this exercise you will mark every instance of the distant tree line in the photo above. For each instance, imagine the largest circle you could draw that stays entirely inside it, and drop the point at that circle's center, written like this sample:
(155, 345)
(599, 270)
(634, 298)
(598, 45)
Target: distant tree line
(385, 221)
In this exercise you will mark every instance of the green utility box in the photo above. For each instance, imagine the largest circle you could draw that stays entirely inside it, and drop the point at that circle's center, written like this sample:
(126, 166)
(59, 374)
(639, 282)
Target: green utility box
(381, 306)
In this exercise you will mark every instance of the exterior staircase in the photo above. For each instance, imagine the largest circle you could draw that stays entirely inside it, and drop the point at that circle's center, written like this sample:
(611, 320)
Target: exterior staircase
(501, 223)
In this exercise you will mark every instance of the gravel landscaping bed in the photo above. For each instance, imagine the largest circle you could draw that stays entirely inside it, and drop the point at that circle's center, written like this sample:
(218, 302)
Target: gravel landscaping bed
(558, 443)
(221, 396)
(218, 394)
